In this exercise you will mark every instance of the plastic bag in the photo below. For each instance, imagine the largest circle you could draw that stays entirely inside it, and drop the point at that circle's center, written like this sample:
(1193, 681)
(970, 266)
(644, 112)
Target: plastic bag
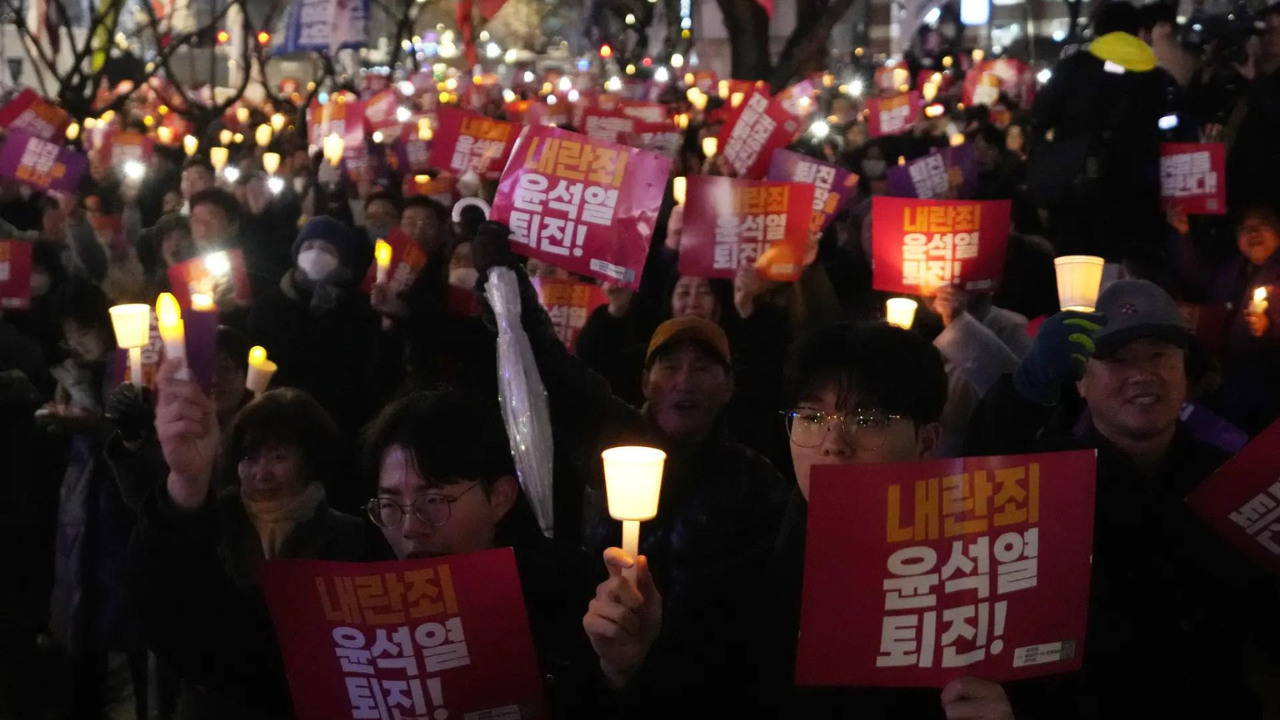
(523, 397)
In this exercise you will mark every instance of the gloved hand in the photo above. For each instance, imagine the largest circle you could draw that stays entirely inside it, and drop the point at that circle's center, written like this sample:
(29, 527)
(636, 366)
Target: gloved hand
(132, 410)
(491, 249)
(1060, 352)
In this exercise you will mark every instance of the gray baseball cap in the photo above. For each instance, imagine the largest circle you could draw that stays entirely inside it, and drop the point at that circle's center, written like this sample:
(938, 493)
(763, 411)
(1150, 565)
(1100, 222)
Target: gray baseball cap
(1137, 309)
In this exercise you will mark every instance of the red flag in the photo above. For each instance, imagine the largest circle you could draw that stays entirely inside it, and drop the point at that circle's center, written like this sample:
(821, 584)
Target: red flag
(768, 7)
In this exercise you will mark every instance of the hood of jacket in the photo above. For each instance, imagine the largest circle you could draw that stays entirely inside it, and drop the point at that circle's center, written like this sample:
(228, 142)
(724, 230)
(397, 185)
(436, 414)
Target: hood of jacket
(1125, 50)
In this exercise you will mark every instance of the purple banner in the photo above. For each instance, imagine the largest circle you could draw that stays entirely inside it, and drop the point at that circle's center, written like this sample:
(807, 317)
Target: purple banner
(39, 163)
(947, 174)
(833, 187)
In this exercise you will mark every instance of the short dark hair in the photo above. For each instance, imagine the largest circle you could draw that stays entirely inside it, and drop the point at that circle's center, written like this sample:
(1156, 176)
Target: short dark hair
(1156, 13)
(1261, 211)
(170, 223)
(84, 303)
(225, 201)
(285, 417)
(384, 196)
(892, 369)
(435, 207)
(199, 162)
(452, 437)
(1117, 16)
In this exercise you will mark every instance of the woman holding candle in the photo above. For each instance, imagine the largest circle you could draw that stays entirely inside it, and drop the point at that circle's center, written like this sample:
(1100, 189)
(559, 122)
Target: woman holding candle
(197, 550)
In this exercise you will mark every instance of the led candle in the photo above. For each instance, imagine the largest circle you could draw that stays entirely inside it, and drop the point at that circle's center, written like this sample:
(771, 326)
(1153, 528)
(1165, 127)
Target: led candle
(277, 122)
(172, 332)
(900, 312)
(190, 144)
(262, 135)
(1259, 304)
(260, 370)
(202, 302)
(709, 146)
(218, 157)
(271, 162)
(132, 324)
(633, 483)
(1079, 279)
(382, 253)
(333, 145)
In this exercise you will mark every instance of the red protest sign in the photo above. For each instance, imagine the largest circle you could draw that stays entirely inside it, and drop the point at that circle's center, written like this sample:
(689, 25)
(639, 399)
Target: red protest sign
(31, 113)
(407, 260)
(890, 116)
(569, 303)
(380, 110)
(646, 111)
(607, 125)
(946, 579)
(1242, 500)
(748, 140)
(798, 99)
(343, 118)
(446, 637)
(729, 223)
(565, 199)
(15, 275)
(1193, 177)
(467, 141)
(216, 274)
(660, 138)
(920, 245)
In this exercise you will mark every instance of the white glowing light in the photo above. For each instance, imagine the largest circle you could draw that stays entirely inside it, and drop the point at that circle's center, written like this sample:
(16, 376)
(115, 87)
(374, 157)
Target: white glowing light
(661, 75)
(231, 173)
(820, 129)
(276, 185)
(134, 170)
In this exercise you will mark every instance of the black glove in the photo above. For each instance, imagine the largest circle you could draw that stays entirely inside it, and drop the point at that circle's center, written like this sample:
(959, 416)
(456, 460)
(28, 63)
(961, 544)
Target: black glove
(491, 249)
(1061, 350)
(131, 410)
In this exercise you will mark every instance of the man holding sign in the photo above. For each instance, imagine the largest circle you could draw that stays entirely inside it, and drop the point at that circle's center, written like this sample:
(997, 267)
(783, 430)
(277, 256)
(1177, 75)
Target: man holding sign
(1166, 588)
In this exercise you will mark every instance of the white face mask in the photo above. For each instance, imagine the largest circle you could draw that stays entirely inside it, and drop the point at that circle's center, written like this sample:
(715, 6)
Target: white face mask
(464, 277)
(316, 264)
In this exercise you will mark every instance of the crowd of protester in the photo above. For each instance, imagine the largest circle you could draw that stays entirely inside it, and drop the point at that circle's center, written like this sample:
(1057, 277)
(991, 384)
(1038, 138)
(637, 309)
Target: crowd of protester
(133, 522)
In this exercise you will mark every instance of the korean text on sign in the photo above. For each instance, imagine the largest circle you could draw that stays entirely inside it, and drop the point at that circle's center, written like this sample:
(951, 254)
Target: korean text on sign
(470, 142)
(750, 134)
(890, 116)
(582, 204)
(42, 164)
(1191, 177)
(404, 640)
(967, 554)
(921, 245)
(832, 186)
(34, 115)
(757, 217)
(569, 304)
(1242, 499)
(730, 223)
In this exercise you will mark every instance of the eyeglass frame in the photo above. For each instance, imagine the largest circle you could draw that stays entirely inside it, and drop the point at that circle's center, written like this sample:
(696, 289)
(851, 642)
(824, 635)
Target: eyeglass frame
(789, 415)
(371, 506)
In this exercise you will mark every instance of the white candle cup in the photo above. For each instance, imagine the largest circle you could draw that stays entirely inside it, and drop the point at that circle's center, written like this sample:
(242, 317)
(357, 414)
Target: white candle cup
(901, 312)
(633, 483)
(132, 325)
(1079, 279)
(259, 377)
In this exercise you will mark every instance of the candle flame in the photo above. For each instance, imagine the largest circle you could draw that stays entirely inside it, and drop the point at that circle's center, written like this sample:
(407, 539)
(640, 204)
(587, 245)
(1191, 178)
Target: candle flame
(257, 355)
(169, 316)
(382, 251)
(1260, 295)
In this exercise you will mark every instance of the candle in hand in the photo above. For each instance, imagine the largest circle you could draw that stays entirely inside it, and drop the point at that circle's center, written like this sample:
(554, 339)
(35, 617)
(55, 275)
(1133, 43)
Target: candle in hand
(132, 324)
(1259, 304)
(172, 332)
(382, 253)
(709, 146)
(260, 370)
(202, 302)
(901, 312)
(679, 189)
(633, 483)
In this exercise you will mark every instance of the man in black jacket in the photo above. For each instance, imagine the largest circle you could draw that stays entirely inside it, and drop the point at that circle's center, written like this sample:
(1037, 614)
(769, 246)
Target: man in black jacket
(720, 507)
(1171, 604)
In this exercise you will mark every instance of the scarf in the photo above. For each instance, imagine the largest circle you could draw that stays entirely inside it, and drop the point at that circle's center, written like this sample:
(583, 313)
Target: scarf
(324, 294)
(275, 519)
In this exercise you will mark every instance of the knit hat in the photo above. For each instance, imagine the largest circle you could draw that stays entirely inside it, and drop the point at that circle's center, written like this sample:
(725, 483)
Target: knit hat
(337, 234)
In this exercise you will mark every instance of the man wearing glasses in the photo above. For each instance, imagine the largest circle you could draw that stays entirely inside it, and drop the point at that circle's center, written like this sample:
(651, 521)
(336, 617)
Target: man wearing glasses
(858, 394)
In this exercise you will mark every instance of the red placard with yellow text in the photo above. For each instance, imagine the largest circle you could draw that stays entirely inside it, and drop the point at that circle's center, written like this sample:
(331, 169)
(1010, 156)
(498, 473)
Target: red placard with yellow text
(585, 205)
(969, 566)
(34, 115)
(893, 115)
(749, 138)
(222, 275)
(445, 637)
(1242, 500)
(344, 119)
(729, 223)
(569, 303)
(921, 245)
(130, 147)
(467, 141)
(407, 260)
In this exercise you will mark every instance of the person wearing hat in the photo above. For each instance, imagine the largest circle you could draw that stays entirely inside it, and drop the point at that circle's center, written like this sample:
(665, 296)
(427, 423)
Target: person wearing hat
(720, 508)
(1172, 605)
(319, 329)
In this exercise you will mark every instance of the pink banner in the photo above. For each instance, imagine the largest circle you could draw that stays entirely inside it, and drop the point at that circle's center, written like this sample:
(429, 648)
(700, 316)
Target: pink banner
(607, 125)
(441, 638)
(1242, 500)
(585, 205)
(748, 140)
(30, 113)
(467, 141)
(729, 223)
(944, 579)
(921, 245)
(890, 116)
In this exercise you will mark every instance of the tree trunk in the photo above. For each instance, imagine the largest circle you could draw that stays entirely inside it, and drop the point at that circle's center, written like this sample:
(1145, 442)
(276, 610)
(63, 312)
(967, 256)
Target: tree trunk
(748, 28)
(808, 44)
